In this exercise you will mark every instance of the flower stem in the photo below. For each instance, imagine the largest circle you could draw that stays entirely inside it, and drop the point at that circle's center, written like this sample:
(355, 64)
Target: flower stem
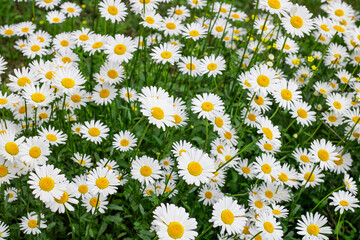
(326, 197)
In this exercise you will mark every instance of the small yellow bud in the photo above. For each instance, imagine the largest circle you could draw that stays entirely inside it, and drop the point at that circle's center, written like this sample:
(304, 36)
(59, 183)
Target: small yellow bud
(83, 6)
(41, 22)
(310, 59)
(313, 67)
(84, 22)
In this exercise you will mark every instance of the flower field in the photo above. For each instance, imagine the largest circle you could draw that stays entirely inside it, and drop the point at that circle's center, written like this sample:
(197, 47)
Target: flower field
(179, 119)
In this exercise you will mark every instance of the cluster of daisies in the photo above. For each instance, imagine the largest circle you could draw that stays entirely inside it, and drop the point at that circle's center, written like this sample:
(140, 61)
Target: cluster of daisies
(53, 102)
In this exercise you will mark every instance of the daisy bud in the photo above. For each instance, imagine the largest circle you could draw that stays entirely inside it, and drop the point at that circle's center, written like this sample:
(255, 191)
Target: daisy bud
(271, 56)
(269, 63)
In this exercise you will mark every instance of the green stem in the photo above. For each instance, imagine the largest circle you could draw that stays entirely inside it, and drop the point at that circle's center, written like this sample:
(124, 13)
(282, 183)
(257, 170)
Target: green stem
(203, 232)
(247, 111)
(352, 129)
(326, 197)
(289, 125)
(338, 226)
(312, 135)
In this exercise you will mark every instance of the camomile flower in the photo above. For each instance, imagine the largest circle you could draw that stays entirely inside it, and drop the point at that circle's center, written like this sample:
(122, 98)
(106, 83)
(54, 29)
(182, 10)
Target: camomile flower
(332, 119)
(269, 146)
(343, 201)
(7, 100)
(52, 136)
(34, 48)
(25, 28)
(76, 128)
(145, 169)
(178, 148)
(195, 166)
(77, 98)
(8, 30)
(150, 189)
(323, 25)
(286, 93)
(209, 195)
(78, 187)
(55, 17)
(221, 122)
(228, 155)
(47, 183)
(106, 163)
(38, 96)
(34, 151)
(312, 226)
(151, 19)
(244, 168)
(266, 127)
(267, 224)
(288, 176)
(68, 79)
(21, 78)
(219, 28)
(260, 102)
(159, 112)
(167, 164)
(94, 203)
(171, 26)
(41, 36)
(279, 7)
(47, 4)
(230, 136)
(212, 65)
(94, 131)
(137, 6)
(229, 215)
(62, 203)
(257, 204)
(194, 31)
(3, 64)
(7, 171)
(103, 94)
(4, 230)
(279, 211)
(103, 181)
(350, 184)
(218, 178)
(302, 112)
(324, 152)
(67, 58)
(172, 222)
(70, 9)
(264, 28)
(290, 46)
(113, 10)
(166, 53)
(153, 92)
(124, 141)
(207, 105)
(338, 103)
(263, 79)
(63, 41)
(31, 224)
(120, 48)
(298, 21)
(128, 94)
(266, 167)
(10, 146)
(112, 73)
(179, 12)
(250, 116)
(189, 65)
(80, 37)
(339, 10)
(343, 162)
(313, 178)
(336, 56)
(197, 4)
(11, 194)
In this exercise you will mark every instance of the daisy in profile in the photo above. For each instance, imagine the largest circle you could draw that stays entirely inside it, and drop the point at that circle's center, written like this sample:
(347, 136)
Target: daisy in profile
(65, 202)
(266, 167)
(124, 141)
(324, 152)
(113, 10)
(350, 184)
(309, 177)
(181, 147)
(194, 31)
(172, 222)
(298, 21)
(94, 203)
(47, 183)
(207, 105)
(145, 169)
(195, 167)
(55, 17)
(166, 53)
(269, 226)
(312, 226)
(128, 94)
(11, 194)
(343, 201)
(103, 181)
(159, 112)
(52, 136)
(263, 79)
(31, 224)
(228, 215)
(120, 48)
(171, 26)
(302, 112)
(104, 94)
(212, 65)
(189, 66)
(94, 131)
(35, 151)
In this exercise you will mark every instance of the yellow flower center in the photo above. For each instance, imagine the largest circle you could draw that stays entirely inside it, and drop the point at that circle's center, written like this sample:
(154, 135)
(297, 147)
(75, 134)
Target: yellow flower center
(228, 135)
(94, 132)
(339, 29)
(212, 66)
(124, 142)
(276, 212)
(287, 47)
(194, 168)
(12, 148)
(312, 229)
(112, 74)
(35, 152)
(113, 10)
(236, 16)
(23, 81)
(269, 194)
(178, 12)
(340, 161)
(83, 189)
(177, 119)
(304, 158)
(104, 93)
(339, 12)
(150, 20)
(76, 98)
(268, 227)
(38, 97)
(166, 54)
(259, 204)
(51, 137)
(274, 4)
(268, 133)
(120, 49)
(171, 26)
(175, 230)
(70, 9)
(263, 81)
(9, 32)
(94, 202)
(102, 182)
(344, 203)
(323, 155)
(3, 171)
(56, 20)
(337, 105)
(97, 45)
(283, 177)
(64, 43)
(194, 33)
(219, 29)
(46, 184)
(246, 170)
(146, 171)
(302, 113)
(68, 83)
(268, 146)
(219, 122)
(286, 94)
(35, 48)
(266, 168)
(157, 113)
(32, 223)
(259, 100)
(64, 198)
(227, 217)
(43, 115)
(208, 195)
(296, 21)
(84, 37)
(207, 106)
(66, 60)
(332, 118)
(308, 178)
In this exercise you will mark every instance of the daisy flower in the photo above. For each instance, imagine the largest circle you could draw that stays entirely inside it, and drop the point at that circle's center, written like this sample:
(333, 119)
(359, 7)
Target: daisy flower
(195, 166)
(112, 73)
(124, 141)
(94, 203)
(21, 78)
(35, 151)
(104, 94)
(324, 152)
(179, 12)
(11, 194)
(70, 9)
(279, 211)
(311, 226)
(266, 167)
(229, 215)
(302, 112)
(313, 178)
(145, 169)
(47, 4)
(7, 171)
(47, 183)
(62, 203)
(34, 48)
(68, 79)
(94, 131)
(189, 66)
(172, 222)
(38, 96)
(159, 112)
(113, 10)
(194, 31)
(263, 79)
(178, 148)
(212, 65)
(7, 30)
(286, 93)
(338, 103)
(120, 48)
(171, 26)
(343, 201)
(350, 184)
(55, 17)
(80, 37)
(10, 146)
(31, 224)
(166, 53)
(128, 94)
(151, 19)
(343, 162)
(297, 21)
(103, 181)
(244, 168)
(207, 105)
(25, 28)
(4, 230)
(52, 136)
(278, 7)
(63, 41)
(269, 226)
